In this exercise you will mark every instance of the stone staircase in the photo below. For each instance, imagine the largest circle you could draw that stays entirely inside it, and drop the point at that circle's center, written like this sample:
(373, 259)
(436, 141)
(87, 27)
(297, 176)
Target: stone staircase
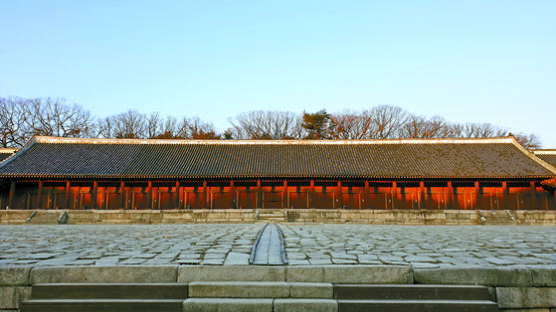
(259, 297)
(271, 215)
(71, 297)
(200, 296)
(413, 298)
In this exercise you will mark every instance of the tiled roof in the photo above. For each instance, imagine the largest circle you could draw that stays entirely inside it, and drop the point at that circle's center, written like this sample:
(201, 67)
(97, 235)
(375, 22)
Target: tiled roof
(436, 158)
(6, 152)
(547, 155)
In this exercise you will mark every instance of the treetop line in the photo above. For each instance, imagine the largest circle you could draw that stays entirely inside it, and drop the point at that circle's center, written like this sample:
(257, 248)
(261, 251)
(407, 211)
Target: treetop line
(21, 119)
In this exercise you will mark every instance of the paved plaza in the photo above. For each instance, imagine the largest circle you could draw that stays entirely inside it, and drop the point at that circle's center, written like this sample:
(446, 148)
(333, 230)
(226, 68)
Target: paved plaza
(232, 244)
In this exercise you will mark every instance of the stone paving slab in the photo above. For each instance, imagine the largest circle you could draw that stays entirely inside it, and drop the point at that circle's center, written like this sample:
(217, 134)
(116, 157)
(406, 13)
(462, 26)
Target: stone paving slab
(421, 247)
(109, 245)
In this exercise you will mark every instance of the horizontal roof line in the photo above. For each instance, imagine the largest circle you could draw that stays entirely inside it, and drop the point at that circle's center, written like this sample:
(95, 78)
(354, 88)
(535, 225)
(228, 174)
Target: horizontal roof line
(48, 139)
(544, 152)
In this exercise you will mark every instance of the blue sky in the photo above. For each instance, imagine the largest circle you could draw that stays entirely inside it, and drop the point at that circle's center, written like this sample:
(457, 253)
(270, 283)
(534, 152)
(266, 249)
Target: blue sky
(476, 61)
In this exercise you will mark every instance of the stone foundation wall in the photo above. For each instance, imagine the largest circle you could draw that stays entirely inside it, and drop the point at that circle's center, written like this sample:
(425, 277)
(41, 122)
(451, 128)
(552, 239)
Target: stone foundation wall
(302, 216)
(530, 289)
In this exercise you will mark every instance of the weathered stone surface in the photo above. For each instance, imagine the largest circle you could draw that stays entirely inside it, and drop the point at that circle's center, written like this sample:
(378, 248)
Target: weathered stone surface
(11, 297)
(189, 273)
(544, 276)
(305, 305)
(526, 310)
(238, 289)
(487, 276)
(368, 274)
(14, 276)
(526, 297)
(311, 290)
(305, 274)
(227, 305)
(109, 274)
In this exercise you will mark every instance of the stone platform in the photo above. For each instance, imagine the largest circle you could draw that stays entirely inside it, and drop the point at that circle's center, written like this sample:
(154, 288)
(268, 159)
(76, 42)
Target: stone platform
(296, 216)
(517, 263)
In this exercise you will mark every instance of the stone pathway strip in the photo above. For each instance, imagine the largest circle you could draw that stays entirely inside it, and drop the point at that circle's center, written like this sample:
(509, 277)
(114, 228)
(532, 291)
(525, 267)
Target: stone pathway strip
(232, 244)
(269, 248)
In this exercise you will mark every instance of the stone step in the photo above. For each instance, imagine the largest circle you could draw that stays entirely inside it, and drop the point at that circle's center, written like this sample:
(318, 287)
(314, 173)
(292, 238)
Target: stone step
(109, 291)
(417, 306)
(420, 292)
(259, 290)
(104, 305)
(259, 305)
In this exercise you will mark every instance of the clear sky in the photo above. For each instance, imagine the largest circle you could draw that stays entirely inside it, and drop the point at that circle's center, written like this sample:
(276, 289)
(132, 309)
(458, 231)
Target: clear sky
(467, 61)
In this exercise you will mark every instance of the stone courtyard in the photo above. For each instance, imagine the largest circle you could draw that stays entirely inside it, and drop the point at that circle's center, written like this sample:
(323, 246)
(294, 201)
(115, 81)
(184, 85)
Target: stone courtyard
(232, 244)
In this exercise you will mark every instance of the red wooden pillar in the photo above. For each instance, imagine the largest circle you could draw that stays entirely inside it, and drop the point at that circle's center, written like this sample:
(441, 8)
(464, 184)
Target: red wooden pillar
(505, 195)
(394, 194)
(122, 195)
(68, 188)
(233, 197)
(533, 195)
(313, 203)
(205, 195)
(422, 201)
(339, 191)
(177, 195)
(450, 198)
(149, 194)
(478, 196)
(284, 195)
(39, 195)
(12, 194)
(259, 197)
(365, 203)
(94, 195)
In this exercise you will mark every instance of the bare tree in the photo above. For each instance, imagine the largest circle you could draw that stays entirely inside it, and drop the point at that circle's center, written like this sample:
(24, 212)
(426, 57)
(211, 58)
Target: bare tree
(129, 125)
(422, 127)
(387, 121)
(195, 128)
(13, 114)
(351, 126)
(54, 117)
(271, 125)
(529, 141)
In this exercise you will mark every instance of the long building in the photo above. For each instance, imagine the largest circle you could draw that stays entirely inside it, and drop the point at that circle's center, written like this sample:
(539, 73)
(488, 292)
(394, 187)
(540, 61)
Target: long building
(70, 173)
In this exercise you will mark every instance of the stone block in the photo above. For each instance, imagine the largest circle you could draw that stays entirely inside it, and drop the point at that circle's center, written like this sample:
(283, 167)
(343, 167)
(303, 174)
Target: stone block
(544, 276)
(526, 297)
(227, 305)
(11, 297)
(368, 274)
(15, 276)
(311, 290)
(105, 274)
(305, 305)
(487, 276)
(238, 290)
(246, 273)
(526, 310)
(305, 274)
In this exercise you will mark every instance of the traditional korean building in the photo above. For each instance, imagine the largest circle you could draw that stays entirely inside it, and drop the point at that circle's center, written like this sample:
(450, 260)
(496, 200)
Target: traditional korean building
(68, 173)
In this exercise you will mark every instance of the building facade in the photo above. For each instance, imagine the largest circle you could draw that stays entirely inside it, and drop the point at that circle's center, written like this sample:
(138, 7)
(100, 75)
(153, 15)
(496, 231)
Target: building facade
(68, 173)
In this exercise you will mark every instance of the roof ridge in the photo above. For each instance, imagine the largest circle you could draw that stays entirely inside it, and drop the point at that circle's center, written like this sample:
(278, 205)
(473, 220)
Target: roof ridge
(54, 140)
(545, 152)
(5, 150)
